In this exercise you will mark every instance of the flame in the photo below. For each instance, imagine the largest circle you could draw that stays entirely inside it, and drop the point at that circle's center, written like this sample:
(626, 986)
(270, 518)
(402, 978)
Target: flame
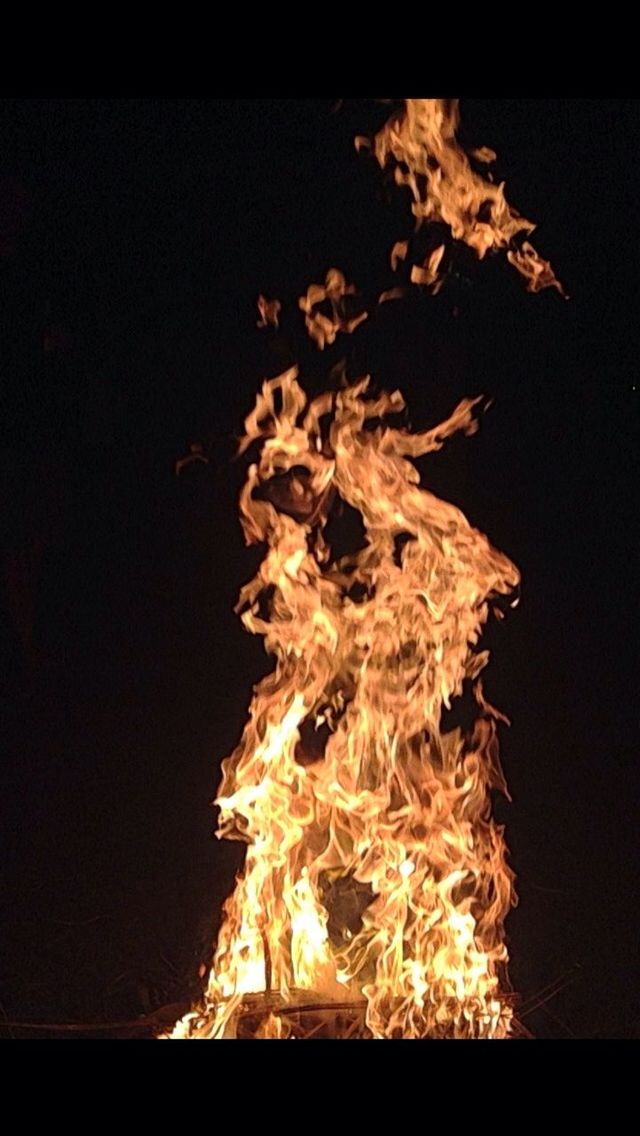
(323, 327)
(375, 873)
(374, 869)
(269, 312)
(420, 144)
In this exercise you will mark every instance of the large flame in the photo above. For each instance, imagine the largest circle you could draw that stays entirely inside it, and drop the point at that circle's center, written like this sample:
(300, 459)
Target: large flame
(374, 870)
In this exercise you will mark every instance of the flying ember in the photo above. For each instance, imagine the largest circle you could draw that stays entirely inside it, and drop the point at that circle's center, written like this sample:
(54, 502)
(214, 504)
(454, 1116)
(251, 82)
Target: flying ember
(375, 885)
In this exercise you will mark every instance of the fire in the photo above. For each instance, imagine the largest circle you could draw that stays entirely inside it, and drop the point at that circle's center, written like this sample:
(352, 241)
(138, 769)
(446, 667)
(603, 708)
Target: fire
(269, 312)
(322, 328)
(391, 825)
(375, 874)
(420, 144)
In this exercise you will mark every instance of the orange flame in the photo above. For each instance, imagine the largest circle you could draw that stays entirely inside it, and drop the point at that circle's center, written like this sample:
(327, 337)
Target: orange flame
(324, 327)
(269, 312)
(373, 870)
(420, 144)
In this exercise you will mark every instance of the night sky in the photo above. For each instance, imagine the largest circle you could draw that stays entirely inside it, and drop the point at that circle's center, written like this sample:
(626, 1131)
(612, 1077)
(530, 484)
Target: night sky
(135, 237)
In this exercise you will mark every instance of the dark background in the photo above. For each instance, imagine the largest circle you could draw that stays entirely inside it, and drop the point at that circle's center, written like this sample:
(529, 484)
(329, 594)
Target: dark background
(135, 236)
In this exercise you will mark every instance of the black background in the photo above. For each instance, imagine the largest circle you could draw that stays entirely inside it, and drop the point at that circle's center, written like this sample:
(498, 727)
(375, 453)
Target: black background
(135, 236)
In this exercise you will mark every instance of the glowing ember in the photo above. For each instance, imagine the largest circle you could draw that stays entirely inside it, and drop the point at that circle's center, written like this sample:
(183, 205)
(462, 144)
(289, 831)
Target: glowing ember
(375, 879)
